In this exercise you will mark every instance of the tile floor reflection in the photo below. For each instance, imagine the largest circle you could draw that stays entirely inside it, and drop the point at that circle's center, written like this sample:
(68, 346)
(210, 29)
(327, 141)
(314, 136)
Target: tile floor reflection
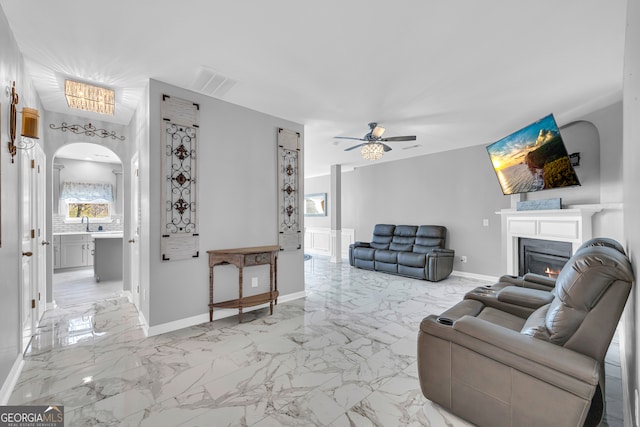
(343, 356)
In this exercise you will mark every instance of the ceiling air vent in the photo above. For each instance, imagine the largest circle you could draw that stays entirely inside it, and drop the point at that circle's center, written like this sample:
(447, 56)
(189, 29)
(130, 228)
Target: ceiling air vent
(212, 83)
(411, 147)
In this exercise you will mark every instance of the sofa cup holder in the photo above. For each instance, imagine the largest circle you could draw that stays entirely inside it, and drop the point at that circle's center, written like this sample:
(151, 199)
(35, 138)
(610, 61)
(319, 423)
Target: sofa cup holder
(445, 321)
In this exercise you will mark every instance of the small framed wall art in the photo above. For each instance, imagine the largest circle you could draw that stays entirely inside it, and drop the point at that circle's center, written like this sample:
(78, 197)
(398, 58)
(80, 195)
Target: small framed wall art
(315, 204)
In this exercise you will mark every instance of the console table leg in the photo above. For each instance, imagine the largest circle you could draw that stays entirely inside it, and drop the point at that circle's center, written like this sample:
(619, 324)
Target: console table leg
(211, 294)
(240, 283)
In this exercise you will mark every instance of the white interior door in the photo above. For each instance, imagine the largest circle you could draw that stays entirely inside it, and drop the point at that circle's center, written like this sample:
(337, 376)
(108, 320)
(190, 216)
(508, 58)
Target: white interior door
(41, 233)
(135, 231)
(27, 236)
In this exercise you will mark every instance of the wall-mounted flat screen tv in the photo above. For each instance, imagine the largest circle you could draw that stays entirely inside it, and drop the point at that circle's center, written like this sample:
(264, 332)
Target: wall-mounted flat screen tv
(532, 159)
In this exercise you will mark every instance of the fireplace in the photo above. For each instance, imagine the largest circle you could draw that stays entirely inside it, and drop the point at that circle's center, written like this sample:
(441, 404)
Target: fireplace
(544, 257)
(571, 225)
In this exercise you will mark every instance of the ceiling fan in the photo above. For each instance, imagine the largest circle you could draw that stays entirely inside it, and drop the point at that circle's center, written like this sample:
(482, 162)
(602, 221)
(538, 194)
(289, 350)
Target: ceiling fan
(373, 147)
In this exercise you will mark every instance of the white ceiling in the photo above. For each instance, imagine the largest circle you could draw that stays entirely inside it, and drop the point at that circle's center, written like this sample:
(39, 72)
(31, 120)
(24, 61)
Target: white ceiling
(454, 73)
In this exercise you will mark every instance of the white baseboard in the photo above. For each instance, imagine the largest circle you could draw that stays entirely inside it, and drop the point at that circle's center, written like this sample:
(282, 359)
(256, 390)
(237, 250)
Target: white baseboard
(474, 276)
(293, 296)
(11, 381)
(143, 323)
(219, 313)
(128, 295)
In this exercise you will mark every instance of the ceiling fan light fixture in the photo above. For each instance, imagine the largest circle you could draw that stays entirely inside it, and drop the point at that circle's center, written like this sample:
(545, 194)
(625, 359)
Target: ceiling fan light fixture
(372, 151)
(377, 132)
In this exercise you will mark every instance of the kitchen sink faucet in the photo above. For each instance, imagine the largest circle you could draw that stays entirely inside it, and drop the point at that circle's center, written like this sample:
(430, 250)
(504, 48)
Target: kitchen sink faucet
(82, 222)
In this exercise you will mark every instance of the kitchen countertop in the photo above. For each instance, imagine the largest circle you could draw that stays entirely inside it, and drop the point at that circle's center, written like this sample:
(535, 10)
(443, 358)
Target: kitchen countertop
(107, 235)
(69, 233)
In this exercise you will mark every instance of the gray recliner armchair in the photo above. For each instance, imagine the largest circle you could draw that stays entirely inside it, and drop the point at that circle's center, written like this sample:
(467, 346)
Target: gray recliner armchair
(516, 356)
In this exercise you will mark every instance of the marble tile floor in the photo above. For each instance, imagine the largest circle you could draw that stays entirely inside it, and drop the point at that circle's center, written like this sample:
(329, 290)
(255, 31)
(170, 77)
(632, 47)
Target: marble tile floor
(78, 286)
(343, 356)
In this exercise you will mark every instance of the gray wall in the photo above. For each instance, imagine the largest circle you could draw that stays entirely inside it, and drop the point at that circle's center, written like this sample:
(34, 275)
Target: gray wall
(238, 206)
(631, 173)
(11, 69)
(88, 171)
(458, 189)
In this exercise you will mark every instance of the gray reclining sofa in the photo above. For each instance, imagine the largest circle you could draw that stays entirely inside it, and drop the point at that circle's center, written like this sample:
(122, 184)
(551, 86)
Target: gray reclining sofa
(526, 353)
(407, 250)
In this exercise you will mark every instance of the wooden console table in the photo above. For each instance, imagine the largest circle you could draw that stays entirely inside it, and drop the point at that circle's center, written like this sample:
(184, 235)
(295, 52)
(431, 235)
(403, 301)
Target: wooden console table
(245, 257)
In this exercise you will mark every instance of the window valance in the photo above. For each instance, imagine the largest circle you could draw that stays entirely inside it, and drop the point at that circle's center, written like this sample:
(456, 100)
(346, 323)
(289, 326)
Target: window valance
(86, 192)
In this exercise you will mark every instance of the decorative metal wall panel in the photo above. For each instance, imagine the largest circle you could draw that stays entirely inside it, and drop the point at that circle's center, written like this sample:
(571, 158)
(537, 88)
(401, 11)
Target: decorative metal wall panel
(289, 190)
(180, 239)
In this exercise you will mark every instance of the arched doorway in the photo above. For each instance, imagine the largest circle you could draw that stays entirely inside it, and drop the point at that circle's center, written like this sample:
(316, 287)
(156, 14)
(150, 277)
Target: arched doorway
(87, 224)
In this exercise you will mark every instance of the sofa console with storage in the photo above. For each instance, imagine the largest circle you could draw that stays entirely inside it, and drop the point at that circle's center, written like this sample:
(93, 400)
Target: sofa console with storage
(407, 250)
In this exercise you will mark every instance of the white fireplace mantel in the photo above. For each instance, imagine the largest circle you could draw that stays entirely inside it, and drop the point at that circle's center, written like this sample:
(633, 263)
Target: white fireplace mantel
(572, 225)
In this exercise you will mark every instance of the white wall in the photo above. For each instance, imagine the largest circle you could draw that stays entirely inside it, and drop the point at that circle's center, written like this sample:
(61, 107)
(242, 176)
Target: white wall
(11, 69)
(631, 179)
(238, 205)
(610, 222)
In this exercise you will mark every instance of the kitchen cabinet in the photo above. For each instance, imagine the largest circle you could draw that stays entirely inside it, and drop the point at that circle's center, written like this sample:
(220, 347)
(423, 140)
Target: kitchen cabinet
(56, 252)
(108, 250)
(76, 250)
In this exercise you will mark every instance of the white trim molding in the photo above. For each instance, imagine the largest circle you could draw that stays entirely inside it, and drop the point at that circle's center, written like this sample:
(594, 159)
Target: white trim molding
(468, 275)
(11, 381)
(318, 240)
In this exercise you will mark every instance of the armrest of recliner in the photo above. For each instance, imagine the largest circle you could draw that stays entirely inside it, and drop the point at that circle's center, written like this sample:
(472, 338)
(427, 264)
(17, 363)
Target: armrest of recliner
(548, 362)
(539, 279)
(439, 264)
(530, 280)
(524, 297)
(354, 245)
(360, 245)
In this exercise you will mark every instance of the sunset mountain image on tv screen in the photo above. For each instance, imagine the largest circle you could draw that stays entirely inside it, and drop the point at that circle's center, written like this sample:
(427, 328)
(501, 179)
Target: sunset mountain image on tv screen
(532, 159)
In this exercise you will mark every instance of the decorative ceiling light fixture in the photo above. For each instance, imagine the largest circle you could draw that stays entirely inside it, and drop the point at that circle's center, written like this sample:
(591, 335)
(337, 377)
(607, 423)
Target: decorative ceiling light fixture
(372, 151)
(87, 97)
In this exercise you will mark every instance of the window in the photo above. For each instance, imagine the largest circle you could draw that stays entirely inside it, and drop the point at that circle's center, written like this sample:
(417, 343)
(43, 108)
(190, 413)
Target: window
(84, 199)
(92, 210)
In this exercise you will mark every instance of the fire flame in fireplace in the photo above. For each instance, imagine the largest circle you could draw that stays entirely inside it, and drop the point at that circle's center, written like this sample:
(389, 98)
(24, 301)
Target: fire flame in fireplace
(551, 273)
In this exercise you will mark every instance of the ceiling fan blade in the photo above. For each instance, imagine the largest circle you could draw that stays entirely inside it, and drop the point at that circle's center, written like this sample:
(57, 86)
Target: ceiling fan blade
(399, 138)
(354, 147)
(386, 147)
(350, 137)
